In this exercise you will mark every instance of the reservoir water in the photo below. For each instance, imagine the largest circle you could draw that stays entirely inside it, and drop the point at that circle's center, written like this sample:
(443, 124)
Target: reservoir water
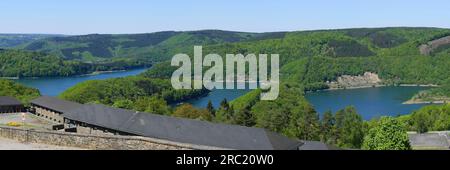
(369, 102)
(217, 96)
(53, 86)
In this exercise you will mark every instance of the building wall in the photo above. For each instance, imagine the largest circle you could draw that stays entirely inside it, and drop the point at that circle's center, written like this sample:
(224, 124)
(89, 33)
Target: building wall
(11, 109)
(93, 131)
(48, 114)
(103, 142)
(84, 128)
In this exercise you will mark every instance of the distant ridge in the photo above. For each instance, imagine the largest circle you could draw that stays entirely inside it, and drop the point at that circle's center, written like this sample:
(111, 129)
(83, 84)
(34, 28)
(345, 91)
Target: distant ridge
(14, 40)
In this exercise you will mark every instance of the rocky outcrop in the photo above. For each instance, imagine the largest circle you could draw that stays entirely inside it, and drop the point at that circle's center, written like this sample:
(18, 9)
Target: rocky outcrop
(368, 79)
(427, 49)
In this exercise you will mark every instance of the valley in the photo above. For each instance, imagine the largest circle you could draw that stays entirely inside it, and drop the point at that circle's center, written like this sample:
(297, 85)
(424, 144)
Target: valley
(310, 62)
(54, 86)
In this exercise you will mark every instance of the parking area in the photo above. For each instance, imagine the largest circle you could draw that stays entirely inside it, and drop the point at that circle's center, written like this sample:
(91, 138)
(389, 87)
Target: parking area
(26, 120)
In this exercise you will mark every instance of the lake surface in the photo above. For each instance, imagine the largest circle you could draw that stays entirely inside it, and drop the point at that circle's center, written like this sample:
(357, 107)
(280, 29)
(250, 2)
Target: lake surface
(53, 86)
(369, 102)
(217, 96)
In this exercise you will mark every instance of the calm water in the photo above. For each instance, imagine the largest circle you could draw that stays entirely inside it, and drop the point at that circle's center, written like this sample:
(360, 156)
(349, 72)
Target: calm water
(217, 96)
(55, 85)
(369, 102)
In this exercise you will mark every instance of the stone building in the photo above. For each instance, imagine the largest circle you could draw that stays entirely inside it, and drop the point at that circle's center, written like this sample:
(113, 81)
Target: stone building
(52, 108)
(10, 105)
(100, 119)
(95, 119)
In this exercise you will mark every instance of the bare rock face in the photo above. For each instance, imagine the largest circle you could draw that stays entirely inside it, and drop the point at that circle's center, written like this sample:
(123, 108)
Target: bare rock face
(367, 80)
(426, 49)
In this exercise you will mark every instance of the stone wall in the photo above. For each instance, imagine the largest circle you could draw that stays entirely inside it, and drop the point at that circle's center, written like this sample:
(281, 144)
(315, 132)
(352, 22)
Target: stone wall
(87, 130)
(102, 142)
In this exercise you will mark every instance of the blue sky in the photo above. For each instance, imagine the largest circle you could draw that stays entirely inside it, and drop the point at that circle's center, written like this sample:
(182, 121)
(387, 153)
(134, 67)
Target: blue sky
(139, 16)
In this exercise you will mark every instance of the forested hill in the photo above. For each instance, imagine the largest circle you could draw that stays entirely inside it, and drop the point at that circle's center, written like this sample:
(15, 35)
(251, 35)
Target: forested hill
(13, 89)
(314, 57)
(364, 42)
(150, 47)
(311, 58)
(18, 63)
(14, 40)
(386, 49)
(162, 46)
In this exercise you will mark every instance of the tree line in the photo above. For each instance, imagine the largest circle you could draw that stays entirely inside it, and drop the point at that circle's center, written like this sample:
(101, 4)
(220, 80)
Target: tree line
(17, 63)
(12, 89)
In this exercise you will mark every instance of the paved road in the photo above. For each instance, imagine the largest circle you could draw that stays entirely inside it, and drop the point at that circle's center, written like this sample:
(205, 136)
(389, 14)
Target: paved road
(8, 144)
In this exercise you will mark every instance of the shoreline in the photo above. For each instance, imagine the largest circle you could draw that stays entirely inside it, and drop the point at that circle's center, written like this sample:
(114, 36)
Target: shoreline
(408, 102)
(418, 85)
(356, 87)
(102, 72)
(435, 100)
(10, 78)
(426, 102)
(80, 75)
(376, 86)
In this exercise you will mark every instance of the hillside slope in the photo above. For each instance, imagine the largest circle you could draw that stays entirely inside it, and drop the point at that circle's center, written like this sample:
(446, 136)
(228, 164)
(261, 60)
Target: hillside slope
(150, 47)
(12, 89)
(315, 57)
(310, 59)
(19, 63)
(13, 40)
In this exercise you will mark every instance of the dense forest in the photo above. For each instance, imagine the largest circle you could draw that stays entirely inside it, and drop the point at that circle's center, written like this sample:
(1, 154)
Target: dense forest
(18, 63)
(135, 92)
(440, 94)
(74, 55)
(312, 58)
(152, 47)
(428, 118)
(293, 116)
(12, 89)
(17, 40)
(313, 72)
(394, 44)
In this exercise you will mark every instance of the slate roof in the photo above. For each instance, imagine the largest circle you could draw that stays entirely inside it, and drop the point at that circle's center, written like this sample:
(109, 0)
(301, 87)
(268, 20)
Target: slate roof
(429, 140)
(182, 130)
(55, 104)
(101, 115)
(9, 101)
(315, 145)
